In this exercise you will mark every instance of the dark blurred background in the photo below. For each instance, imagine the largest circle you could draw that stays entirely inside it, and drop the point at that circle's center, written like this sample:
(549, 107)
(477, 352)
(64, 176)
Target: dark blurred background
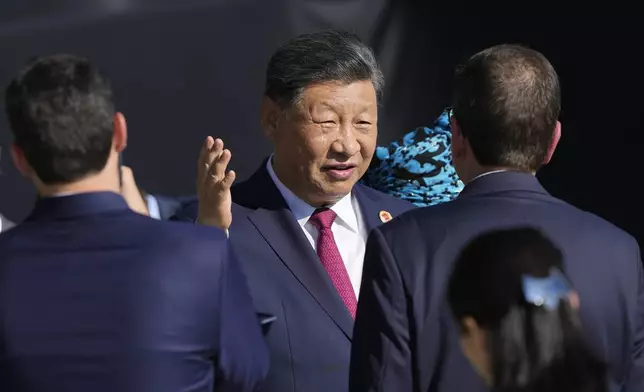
(185, 70)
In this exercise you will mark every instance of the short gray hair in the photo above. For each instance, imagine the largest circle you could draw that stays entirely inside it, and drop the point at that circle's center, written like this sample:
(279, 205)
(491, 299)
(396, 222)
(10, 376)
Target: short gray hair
(322, 57)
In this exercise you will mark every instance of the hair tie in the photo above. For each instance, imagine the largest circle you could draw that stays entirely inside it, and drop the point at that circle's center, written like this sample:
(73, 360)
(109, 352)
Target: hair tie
(548, 291)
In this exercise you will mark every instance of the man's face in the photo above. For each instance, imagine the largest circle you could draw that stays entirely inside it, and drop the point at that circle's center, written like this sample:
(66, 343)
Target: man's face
(324, 144)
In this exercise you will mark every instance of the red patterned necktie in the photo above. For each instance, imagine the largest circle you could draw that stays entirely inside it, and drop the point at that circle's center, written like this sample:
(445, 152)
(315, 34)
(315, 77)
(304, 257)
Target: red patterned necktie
(330, 257)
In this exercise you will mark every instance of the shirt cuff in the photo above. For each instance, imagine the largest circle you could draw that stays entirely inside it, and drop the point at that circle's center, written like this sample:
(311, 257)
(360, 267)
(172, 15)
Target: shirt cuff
(225, 230)
(153, 207)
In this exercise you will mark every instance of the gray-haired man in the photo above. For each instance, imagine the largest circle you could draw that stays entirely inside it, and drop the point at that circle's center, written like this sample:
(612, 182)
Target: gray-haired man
(300, 223)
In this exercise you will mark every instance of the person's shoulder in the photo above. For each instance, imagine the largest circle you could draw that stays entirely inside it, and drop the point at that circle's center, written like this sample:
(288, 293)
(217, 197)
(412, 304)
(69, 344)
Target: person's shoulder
(195, 247)
(428, 222)
(591, 224)
(151, 239)
(169, 237)
(184, 231)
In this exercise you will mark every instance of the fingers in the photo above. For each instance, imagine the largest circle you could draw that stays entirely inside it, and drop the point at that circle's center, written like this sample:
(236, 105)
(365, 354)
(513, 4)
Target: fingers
(218, 167)
(213, 162)
(215, 151)
(210, 152)
(202, 163)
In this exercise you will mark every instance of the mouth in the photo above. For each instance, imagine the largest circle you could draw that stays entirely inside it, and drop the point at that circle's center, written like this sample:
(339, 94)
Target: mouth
(339, 171)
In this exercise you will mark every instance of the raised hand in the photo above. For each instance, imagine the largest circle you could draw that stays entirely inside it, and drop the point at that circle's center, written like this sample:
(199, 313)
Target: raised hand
(213, 185)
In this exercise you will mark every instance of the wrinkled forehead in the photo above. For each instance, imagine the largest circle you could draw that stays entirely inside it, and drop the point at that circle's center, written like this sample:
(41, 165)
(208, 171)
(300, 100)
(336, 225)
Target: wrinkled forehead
(359, 96)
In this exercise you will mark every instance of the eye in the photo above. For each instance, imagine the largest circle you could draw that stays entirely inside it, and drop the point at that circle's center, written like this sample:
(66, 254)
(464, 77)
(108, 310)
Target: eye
(363, 124)
(327, 123)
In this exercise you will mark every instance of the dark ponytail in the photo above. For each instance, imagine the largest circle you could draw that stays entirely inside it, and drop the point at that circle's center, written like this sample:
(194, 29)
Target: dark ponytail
(510, 282)
(536, 349)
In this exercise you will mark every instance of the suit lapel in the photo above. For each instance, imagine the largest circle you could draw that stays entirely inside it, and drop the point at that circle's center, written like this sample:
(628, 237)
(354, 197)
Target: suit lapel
(285, 237)
(278, 227)
(369, 208)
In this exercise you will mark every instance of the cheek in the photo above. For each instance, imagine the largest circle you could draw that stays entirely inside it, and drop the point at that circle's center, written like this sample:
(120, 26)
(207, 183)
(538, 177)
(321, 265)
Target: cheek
(468, 349)
(300, 146)
(472, 351)
(367, 146)
(477, 356)
(317, 147)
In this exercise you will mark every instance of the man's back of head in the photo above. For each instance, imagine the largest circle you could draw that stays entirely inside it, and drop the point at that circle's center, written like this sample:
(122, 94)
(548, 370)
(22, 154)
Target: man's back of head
(66, 130)
(506, 103)
(105, 286)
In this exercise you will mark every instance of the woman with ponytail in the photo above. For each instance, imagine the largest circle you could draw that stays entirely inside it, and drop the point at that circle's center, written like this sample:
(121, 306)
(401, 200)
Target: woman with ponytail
(518, 318)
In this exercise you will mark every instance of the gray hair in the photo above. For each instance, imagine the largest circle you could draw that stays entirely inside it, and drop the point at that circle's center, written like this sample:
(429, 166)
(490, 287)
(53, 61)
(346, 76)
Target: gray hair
(326, 56)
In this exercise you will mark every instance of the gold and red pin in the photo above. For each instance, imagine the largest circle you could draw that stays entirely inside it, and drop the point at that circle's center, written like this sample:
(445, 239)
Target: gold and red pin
(385, 216)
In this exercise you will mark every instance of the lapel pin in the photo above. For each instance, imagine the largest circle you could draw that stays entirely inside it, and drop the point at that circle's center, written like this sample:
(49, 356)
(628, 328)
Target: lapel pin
(384, 216)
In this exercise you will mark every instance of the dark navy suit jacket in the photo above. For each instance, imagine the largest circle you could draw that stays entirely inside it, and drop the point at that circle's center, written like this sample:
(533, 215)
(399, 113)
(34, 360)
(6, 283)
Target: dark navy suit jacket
(170, 206)
(310, 341)
(405, 338)
(94, 297)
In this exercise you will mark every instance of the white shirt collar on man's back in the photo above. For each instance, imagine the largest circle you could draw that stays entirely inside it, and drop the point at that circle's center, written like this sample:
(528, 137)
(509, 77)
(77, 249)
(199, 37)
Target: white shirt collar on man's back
(487, 174)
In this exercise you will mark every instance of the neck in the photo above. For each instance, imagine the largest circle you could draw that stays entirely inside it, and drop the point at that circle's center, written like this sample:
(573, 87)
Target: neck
(95, 183)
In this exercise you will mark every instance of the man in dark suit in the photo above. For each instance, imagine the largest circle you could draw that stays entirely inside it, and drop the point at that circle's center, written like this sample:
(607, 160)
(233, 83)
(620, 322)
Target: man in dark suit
(96, 297)
(504, 123)
(300, 223)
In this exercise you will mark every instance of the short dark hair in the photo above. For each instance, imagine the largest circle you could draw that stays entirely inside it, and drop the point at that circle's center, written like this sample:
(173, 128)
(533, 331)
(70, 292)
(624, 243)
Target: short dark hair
(60, 110)
(321, 57)
(532, 347)
(507, 100)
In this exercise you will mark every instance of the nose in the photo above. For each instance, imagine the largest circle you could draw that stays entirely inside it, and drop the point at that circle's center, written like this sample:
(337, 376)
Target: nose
(346, 143)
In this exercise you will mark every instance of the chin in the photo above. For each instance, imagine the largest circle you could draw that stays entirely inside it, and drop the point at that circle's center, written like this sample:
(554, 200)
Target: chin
(340, 190)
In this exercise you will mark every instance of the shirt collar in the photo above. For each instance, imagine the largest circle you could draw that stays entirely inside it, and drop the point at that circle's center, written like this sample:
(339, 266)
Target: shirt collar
(303, 211)
(488, 173)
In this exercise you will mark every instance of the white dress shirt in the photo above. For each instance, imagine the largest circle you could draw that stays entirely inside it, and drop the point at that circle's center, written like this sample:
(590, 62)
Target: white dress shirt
(349, 228)
(153, 207)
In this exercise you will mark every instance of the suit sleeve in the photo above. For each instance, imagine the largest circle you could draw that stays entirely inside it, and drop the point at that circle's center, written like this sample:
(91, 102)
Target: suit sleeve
(243, 360)
(186, 211)
(380, 356)
(636, 376)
